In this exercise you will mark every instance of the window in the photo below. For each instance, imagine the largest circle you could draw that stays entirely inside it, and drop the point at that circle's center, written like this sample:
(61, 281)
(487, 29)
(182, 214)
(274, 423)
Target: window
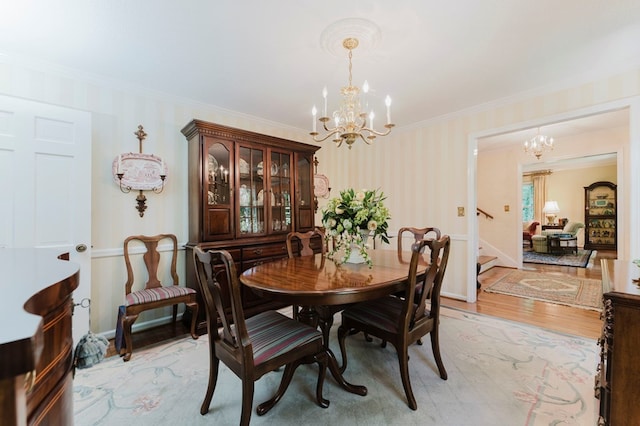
(527, 202)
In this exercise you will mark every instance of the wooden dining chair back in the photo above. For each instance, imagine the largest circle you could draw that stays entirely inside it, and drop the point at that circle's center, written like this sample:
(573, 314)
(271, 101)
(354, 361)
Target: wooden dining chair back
(154, 294)
(403, 320)
(418, 235)
(253, 346)
(305, 244)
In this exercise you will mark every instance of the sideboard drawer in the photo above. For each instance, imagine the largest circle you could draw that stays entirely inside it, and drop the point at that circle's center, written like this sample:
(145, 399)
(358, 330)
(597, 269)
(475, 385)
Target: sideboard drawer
(264, 250)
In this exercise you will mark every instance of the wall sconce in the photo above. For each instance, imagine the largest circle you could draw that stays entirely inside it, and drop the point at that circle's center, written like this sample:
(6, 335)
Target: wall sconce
(139, 172)
(321, 186)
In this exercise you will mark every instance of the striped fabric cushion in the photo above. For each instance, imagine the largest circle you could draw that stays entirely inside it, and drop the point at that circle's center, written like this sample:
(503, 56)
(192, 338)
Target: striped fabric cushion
(273, 334)
(154, 294)
(384, 313)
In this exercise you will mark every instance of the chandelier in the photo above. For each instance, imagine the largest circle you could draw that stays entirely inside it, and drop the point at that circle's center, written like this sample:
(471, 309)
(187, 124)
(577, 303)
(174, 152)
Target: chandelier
(538, 144)
(350, 120)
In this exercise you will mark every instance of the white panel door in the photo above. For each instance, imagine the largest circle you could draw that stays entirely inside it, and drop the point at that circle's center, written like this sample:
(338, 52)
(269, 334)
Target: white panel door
(45, 185)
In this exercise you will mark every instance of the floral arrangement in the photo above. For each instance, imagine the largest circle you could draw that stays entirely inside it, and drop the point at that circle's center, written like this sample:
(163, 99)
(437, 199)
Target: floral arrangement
(353, 216)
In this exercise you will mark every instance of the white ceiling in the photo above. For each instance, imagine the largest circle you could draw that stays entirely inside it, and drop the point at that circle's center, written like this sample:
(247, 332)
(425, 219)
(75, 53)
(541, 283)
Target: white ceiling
(264, 58)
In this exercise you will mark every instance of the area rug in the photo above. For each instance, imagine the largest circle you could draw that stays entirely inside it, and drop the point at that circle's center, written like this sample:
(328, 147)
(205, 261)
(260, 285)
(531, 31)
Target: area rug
(580, 260)
(500, 372)
(551, 287)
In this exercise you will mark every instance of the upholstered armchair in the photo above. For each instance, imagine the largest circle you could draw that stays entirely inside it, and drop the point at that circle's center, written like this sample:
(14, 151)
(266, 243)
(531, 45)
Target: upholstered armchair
(529, 230)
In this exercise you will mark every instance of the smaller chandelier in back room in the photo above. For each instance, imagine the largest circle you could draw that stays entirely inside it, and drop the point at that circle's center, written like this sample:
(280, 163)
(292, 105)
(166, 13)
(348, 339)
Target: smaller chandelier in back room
(538, 144)
(350, 119)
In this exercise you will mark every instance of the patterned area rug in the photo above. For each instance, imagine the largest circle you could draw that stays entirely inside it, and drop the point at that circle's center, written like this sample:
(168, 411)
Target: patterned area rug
(500, 372)
(551, 287)
(581, 260)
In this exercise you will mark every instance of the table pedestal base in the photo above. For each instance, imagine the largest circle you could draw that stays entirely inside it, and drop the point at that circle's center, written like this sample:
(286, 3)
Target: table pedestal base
(322, 316)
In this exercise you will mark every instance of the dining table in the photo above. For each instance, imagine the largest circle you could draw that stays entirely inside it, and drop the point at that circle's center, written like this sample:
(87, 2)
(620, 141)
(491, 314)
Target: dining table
(322, 287)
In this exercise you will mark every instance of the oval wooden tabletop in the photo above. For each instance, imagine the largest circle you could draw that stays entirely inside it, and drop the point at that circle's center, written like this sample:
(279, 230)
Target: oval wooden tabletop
(315, 280)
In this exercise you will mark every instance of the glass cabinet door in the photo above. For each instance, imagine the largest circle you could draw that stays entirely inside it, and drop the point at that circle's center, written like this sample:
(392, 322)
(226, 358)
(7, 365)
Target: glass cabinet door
(304, 193)
(218, 200)
(280, 181)
(251, 192)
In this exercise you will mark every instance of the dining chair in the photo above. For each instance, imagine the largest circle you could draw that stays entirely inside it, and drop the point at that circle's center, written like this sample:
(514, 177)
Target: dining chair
(403, 321)
(418, 235)
(153, 295)
(305, 244)
(251, 347)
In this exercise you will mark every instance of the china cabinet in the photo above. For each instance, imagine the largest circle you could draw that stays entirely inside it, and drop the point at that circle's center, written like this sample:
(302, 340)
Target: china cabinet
(600, 204)
(247, 191)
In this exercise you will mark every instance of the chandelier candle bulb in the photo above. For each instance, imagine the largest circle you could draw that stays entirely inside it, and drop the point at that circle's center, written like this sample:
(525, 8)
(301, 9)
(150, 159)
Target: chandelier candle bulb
(387, 102)
(119, 163)
(314, 111)
(324, 95)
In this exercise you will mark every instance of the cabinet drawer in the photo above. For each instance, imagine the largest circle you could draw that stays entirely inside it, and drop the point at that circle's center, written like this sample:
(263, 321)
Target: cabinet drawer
(264, 250)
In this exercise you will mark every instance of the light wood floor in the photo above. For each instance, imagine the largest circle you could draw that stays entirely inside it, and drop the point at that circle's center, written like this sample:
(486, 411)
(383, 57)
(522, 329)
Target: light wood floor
(565, 319)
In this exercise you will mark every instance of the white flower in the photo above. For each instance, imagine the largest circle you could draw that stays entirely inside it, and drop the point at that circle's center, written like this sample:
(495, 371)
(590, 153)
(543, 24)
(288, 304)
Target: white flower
(347, 224)
(339, 210)
(372, 225)
(360, 195)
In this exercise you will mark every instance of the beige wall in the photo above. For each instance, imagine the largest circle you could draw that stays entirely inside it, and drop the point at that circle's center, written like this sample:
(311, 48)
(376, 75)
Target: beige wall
(567, 188)
(426, 169)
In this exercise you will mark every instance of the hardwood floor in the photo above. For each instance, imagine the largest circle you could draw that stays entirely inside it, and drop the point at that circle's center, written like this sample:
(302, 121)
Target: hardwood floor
(565, 319)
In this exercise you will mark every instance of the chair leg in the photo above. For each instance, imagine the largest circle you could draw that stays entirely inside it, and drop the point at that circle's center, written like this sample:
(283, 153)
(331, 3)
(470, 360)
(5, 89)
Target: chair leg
(127, 322)
(247, 401)
(403, 361)
(194, 318)
(322, 360)
(342, 334)
(435, 346)
(214, 364)
(175, 313)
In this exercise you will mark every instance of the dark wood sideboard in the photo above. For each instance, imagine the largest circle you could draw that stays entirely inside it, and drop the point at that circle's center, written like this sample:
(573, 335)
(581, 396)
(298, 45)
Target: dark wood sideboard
(36, 344)
(618, 374)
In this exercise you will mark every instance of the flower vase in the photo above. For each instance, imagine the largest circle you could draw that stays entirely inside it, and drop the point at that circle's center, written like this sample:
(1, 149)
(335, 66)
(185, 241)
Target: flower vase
(355, 256)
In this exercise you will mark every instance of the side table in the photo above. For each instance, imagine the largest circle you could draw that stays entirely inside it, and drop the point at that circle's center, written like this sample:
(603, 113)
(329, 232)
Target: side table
(562, 243)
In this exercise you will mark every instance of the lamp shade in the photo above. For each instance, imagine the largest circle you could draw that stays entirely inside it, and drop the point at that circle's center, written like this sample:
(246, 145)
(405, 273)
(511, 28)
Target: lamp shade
(551, 207)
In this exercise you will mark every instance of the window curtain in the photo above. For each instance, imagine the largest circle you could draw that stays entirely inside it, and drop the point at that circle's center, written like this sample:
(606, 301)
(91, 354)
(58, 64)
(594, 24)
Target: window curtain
(539, 196)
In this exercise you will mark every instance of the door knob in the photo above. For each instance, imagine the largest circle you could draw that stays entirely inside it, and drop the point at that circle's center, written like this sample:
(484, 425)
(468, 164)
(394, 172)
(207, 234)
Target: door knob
(81, 248)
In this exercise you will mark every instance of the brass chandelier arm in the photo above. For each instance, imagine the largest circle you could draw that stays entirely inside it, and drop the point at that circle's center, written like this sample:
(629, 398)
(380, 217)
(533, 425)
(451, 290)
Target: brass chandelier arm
(377, 133)
(317, 139)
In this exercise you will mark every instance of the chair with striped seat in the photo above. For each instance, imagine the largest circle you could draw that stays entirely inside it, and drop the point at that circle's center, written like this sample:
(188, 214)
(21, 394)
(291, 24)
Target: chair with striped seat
(154, 295)
(254, 346)
(403, 320)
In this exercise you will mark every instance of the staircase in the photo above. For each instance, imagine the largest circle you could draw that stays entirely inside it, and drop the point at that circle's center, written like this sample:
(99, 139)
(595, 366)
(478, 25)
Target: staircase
(484, 263)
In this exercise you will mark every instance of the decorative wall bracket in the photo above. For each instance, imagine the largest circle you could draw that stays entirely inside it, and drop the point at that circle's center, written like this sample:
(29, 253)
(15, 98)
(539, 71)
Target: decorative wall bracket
(321, 186)
(139, 172)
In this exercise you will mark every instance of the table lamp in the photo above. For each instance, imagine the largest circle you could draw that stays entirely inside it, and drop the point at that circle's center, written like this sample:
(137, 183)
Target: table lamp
(550, 210)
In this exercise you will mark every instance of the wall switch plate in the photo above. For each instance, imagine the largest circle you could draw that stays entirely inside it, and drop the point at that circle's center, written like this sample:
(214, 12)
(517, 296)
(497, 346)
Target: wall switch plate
(506, 207)
(460, 211)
